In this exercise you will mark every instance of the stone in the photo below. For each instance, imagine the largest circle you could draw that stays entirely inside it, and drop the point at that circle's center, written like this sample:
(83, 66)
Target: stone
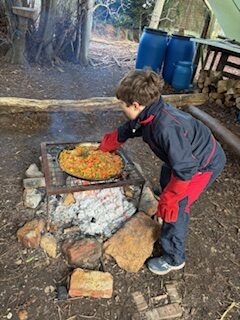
(133, 243)
(49, 244)
(148, 203)
(69, 199)
(83, 253)
(34, 183)
(89, 283)
(22, 315)
(32, 198)
(49, 289)
(30, 234)
(33, 171)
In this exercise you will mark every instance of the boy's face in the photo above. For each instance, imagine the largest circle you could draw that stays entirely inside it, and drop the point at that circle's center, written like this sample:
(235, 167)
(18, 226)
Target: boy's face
(132, 111)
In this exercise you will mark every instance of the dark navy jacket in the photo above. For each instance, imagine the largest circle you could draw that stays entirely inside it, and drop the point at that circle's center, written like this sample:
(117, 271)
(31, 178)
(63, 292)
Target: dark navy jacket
(184, 143)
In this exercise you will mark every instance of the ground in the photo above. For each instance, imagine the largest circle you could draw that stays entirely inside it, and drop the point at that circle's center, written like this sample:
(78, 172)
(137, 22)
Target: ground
(210, 280)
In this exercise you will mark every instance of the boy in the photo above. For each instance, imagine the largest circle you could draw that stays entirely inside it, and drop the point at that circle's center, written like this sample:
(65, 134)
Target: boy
(192, 158)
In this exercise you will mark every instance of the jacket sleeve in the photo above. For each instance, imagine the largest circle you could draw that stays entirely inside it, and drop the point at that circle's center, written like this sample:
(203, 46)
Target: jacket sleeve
(129, 129)
(112, 140)
(179, 153)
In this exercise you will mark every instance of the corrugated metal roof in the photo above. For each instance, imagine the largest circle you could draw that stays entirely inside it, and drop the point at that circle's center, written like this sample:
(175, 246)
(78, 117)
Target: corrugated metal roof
(227, 13)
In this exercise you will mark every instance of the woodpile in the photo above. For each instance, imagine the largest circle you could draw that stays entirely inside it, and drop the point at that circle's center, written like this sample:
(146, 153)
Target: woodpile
(221, 91)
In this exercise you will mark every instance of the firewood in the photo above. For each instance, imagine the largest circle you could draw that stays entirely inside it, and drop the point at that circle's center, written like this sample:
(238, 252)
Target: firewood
(230, 91)
(207, 82)
(205, 90)
(237, 101)
(237, 84)
(216, 95)
(202, 76)
(223, 85)
(219, 102)
(200, 85)
(215, 76)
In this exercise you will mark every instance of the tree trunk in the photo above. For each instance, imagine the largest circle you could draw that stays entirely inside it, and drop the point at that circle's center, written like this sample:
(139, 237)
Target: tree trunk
(156, 15)
(46, 29)
(86, 32)
(18, 56)
(79, 29)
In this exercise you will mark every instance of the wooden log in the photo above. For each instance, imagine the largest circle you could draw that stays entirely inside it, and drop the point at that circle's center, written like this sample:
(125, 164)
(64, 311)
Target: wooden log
(205, 90)
(221, 132)
(18, 105)
(216, 95)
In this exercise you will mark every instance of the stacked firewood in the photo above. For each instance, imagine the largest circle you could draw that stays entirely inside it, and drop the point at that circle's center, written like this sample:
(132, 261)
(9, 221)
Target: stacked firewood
(221, 91)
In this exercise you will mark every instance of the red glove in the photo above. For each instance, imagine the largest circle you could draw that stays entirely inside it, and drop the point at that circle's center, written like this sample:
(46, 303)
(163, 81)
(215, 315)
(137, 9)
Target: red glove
(169, 199)
(110, 142)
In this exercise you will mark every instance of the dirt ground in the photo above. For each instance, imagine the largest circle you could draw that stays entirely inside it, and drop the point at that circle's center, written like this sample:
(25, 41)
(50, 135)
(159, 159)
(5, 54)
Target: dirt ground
(209, 283)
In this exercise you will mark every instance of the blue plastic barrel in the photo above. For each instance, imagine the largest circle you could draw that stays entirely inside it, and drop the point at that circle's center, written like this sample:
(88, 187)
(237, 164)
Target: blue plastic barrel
(182, 75)
(151, 49)
(179, 48)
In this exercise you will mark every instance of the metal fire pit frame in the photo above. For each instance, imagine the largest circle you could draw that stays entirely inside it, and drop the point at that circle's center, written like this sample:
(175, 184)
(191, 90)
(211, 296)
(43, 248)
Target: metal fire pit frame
(130, 176)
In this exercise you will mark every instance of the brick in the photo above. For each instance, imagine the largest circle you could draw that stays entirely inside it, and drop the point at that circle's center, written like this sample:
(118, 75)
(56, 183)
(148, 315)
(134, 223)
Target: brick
(173, 293)
(83, 253)
(140, 301)
(131, 245)
(88, 283)
(34, 183)
(169, 311)
(49, 244)
(30, 234)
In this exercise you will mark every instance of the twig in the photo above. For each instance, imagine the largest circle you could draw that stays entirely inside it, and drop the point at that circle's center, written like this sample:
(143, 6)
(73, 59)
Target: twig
(59, 312)
(232, 305)
(72, 318)
(88, 317)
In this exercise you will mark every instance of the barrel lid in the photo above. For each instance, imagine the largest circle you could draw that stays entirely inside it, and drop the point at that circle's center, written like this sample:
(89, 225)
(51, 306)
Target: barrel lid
(155, 31)
(181, 36)
(184, 63)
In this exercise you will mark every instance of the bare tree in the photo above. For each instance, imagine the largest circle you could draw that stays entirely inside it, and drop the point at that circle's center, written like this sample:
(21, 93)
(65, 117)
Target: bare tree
(157, 11)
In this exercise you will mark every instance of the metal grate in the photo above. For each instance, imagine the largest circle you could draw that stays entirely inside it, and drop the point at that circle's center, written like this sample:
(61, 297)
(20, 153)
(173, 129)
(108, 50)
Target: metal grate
(58, 182)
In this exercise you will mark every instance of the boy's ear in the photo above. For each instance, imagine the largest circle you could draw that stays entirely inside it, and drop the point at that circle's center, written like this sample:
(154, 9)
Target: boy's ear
(136, 105)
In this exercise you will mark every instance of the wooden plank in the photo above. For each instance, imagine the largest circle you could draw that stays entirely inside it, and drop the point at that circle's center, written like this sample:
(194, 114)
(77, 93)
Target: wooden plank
(233, 65)
(230, 75)
(18, 105)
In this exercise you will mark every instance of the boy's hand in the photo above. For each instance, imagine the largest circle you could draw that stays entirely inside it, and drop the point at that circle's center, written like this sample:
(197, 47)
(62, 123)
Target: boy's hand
(168, 212)
(110, 142)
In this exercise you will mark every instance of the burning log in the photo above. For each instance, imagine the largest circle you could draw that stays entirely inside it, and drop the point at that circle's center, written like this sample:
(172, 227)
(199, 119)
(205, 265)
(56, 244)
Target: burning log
(18, 105)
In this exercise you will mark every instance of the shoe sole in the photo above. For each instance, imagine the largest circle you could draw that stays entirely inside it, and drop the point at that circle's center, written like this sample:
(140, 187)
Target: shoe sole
(162, 273)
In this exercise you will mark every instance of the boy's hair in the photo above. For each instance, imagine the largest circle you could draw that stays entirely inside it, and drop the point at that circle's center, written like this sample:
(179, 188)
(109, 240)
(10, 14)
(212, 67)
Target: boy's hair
(142, 86)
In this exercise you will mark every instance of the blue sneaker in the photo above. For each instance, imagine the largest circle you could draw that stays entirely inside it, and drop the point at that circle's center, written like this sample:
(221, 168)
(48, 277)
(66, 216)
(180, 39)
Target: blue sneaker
(160, 266)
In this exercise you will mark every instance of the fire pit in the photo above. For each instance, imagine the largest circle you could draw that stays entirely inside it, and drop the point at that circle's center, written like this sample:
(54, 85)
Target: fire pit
(90, 196)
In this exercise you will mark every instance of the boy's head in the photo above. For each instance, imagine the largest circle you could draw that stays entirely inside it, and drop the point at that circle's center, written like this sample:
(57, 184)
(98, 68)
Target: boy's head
(138, 89)
(142, 86)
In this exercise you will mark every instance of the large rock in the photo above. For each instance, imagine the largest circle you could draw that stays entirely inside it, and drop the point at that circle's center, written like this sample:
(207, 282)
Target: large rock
(49, 244)
(34, 183)
(83, 253)
(30, 234)
(32, 198)
(33, 171)
(133, 243)
(94, 284)
(148, 203)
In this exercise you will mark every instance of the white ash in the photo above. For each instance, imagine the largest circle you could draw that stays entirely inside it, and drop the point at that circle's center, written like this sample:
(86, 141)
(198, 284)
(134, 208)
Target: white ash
(97, 212)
